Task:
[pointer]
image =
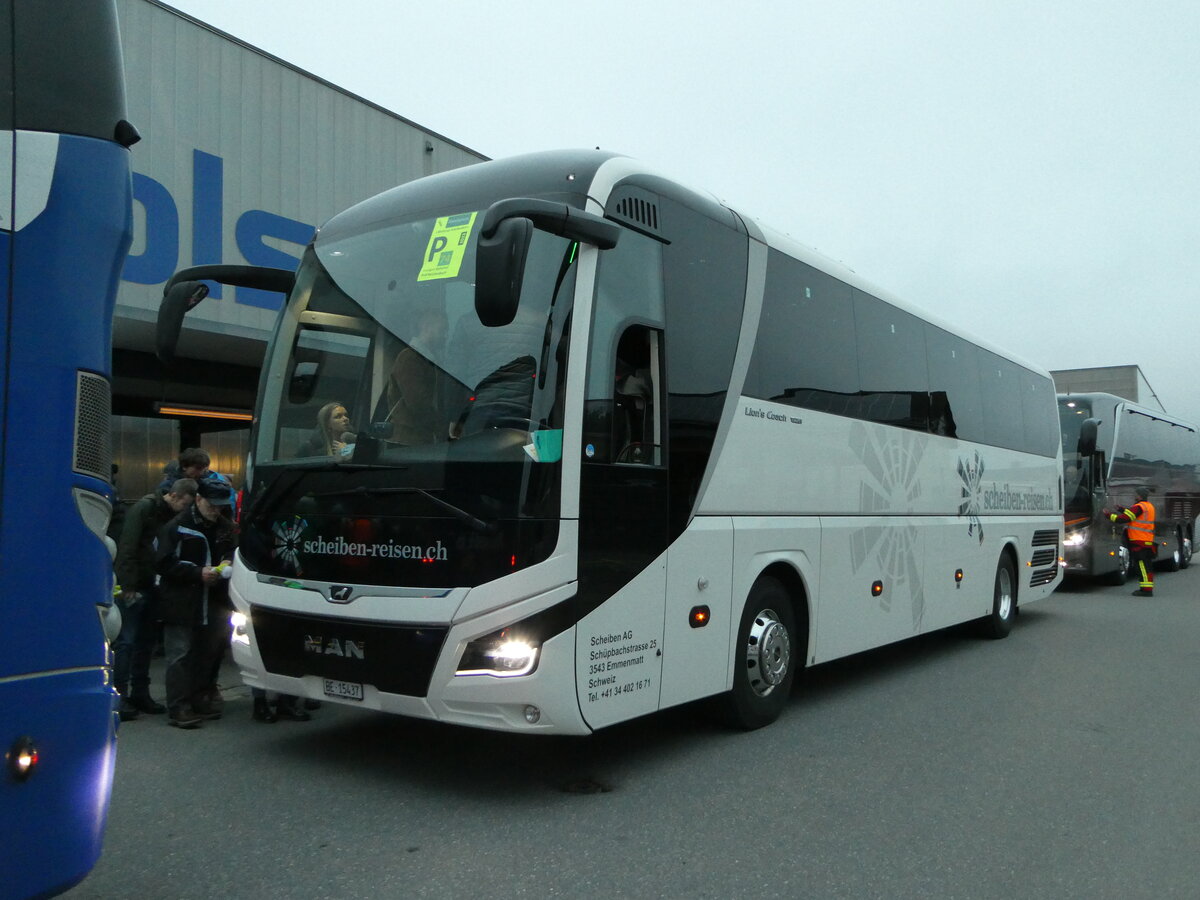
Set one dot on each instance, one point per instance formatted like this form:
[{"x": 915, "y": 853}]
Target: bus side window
[{"x": 637, "y": 391}]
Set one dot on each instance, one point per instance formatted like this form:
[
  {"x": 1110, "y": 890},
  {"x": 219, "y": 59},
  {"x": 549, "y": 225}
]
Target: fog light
[
  {"x": 239, "y": 621},
  {"x": 532, "y": 714},
  {"x": 23, "y": 757}
]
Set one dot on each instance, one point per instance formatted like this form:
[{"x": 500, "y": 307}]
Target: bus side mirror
[
  {"x": 1087, "y": 437},
  {"x": 180, "y": 298},
  {"x": 184, "y": 290},
  {"x": 500, "y": 270}
]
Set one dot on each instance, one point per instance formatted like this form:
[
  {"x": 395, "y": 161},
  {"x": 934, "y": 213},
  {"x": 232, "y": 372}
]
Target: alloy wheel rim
[
  {"x": 768, "y": 653},
  {"x": 1004, "y": 607}
]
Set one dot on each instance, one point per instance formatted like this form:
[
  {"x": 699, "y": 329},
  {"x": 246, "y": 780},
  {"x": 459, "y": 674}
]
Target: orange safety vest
[{"x": 1141, "y": 529}]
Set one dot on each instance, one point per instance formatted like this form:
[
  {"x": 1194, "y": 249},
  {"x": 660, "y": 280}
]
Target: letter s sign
[{"x": 252, "y": 227}]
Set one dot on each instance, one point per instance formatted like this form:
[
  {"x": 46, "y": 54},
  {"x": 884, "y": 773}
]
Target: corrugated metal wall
[{"x": 282, "y": 141}]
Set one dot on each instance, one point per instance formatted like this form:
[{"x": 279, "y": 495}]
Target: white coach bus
[{"x": 613, "y": 447}]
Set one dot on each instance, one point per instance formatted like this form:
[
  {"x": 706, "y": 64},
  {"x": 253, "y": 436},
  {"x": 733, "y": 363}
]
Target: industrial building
[
  {"x": 1123, "y": 381},
  {"x": 242, "y": 156}
]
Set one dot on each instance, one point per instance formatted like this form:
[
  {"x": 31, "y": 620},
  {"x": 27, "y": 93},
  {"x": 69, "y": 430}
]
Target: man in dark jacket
[
  {"x": 193, "y": 550},
  {"x": 135, "y": 572}
]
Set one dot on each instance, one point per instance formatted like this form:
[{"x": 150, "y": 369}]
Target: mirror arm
[
  {"x": 555, "y": 218},
  {"x": 185, "y": 289},
  {"x": 260, "y": 277}
]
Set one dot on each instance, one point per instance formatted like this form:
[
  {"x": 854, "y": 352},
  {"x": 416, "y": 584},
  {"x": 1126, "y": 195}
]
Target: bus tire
[
  {"x": 999, "y": 622},
  {"x": 1174, "y": 562},
  {"x": 765, "y": 658},
  {"x": 1121, "y": 575}
]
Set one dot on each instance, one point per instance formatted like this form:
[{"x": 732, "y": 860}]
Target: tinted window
[
  {"x": 704, "y": 272},
  {"x": 67, "y": 69},
  {"x": 6, "y": 52},
  {"x": 705, "y": 276},
  {"x": 805, "y": 353},
  {"x": 1040, "y": 413},
  {"x": 1003, "y": 417},
  {"x": 955, "y": 407},
  {"x": 891, "y": 364},
  {"x": 824, "y": 346}
]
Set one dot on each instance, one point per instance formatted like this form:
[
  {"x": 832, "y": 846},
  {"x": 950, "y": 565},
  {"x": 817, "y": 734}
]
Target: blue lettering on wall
[
  {"x": 160, "y": 257},
  {"x": 157, "y": 262},
  {"x": 252, "y": 227},
  {"x": 208, "y": 188}
]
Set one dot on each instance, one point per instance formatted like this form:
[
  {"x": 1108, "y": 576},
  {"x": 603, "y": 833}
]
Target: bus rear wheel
[
  {"x": 1004, "y": 601},
  {"x": 765, "y": 658}
]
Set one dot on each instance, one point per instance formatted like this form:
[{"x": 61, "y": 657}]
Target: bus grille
[
  {"x": 93, "y": 427},
  {"x": 396, "y": 659},
  {"x": 1045, "y": 558}
]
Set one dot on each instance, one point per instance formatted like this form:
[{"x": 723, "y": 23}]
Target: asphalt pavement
[{"x": 1057, "y": 763}]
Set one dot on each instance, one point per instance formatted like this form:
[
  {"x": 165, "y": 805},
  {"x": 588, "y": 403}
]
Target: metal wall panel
[{"x": 231, "y": 135}]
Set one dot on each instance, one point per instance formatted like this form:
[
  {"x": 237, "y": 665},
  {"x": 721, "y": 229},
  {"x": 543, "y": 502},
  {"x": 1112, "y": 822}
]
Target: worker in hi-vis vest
[{"x": 1140, "y": 531}]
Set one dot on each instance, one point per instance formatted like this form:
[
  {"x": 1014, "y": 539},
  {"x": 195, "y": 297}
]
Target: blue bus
[{"x": 65, "y": 228}]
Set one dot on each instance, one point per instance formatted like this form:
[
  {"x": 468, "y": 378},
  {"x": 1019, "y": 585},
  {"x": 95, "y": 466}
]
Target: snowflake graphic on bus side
[
  {"x": 970, "y": 472},
  {"x": 287, "y": 542},
  {"x": 891, "y": 486}
]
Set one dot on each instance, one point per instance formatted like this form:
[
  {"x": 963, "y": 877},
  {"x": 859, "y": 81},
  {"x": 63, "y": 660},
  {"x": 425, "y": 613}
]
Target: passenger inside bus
[
  {"x": 633, "y": 399},
  {"x": 414, "y": 401},
  {"x": 332, "y": 435}
]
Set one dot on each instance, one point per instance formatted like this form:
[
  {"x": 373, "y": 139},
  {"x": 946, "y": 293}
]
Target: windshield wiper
[{"x": 473, "y": 522}]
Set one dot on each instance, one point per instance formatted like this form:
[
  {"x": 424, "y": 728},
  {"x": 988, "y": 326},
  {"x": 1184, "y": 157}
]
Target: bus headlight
[
  {"x": 501, "y": 654},
  {"x": 1076, "y": 538}
]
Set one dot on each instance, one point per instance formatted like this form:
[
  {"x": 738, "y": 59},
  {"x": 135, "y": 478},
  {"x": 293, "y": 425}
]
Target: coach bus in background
[
  {"x": 614, "y": 447},
  {"x": 1111, "y": 447},
  {"x": 65, "y": 226}
]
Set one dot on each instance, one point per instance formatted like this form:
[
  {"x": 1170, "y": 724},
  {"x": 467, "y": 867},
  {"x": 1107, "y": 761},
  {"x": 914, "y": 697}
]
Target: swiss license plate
[{"x": 343, "y": 690}]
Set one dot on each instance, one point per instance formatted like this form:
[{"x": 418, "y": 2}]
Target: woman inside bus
[{"x": 330, "y": 436}]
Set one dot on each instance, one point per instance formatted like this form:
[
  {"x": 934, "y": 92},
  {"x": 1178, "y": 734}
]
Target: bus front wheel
[
  {"x": 1004, "y": 601},
  {"x": 1174, "y": 562},
  {"x": 765, "y": 658},
  {"x": 1121, "y": 574}
]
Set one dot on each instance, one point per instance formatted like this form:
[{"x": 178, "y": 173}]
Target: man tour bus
[
  {"x": 1112, "y": 447},
  {"x": 614, "y": 447}
]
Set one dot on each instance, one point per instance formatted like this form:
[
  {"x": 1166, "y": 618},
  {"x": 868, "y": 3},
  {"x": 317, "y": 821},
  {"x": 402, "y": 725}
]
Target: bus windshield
[{"x": 381, "y": 363}]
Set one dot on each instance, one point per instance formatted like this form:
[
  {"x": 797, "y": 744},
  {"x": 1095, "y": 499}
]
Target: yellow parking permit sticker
[{"x": 447, "y": 246}]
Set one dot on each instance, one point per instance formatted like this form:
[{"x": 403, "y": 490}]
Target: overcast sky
[{"x": 1027, "y": 169}]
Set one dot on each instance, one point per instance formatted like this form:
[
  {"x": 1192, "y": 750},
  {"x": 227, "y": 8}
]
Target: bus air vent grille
[
  {"x": 93, "y": 429},
  {"x": 1044, "y": 561},
  {"x": 636, "y": 208}
]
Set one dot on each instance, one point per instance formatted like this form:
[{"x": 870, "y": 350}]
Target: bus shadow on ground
[{"x": 435, "y": 757}]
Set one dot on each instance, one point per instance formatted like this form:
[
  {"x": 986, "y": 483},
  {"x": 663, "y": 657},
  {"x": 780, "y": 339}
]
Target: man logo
[
  {"x": 341, "y": 593},
  {"x": 331, "y": 646}
]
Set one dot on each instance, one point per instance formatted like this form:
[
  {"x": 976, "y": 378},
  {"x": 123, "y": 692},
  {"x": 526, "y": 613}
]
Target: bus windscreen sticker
[{"x": 447, "y": 246}]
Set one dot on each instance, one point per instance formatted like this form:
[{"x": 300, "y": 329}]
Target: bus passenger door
[{"x": 623, "y": 507}]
